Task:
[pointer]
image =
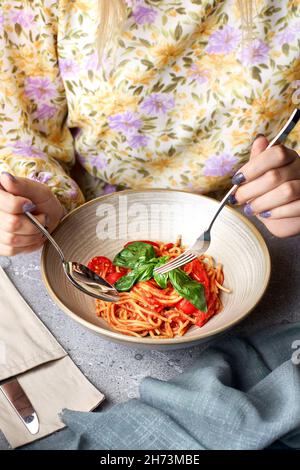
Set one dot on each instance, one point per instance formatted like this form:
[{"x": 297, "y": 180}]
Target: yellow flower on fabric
[
  {"x": 264, "y": 108},
  {"x": 188, "y": 110},
  {"x": 127, "y": 35},
  {"x": 83, "y": 6},
  {"x": 139, "y": 53},
  {"x": 7, "y": 7},
  {"x": 202, "y": 149},
  {"x": 218, "y": 64},
  {"x": 176, "y": 68},
  {"x": 106, "y": 103},
  {"x": 293, "y": 3},
  {"x": 205, "y": 28},
  {"x": 292, "y": 72},
  {"x": 275, "y": 55},
  {"x": 154, "y": 36},
  {"x": 239, "y": 137},
  {"x": 141, "y": 78},
  {"x": 162, "y": 163},
  {"x": 28, "y": 58},
  {"x": 164, "y": 53},
  {"x": 235, "y": 82},
  {"x": 138, "y": 184}
]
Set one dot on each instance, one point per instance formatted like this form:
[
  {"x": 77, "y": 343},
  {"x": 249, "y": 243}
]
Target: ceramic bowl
[{"x": 104, "y": 225}]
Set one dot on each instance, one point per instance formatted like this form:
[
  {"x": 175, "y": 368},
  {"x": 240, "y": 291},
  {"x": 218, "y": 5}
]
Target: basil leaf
[
  {"x": 134, "y": 253},
  {"x": 146, "y": 271},
  {"x": 191, "y": 290},
  {"x": 161, "y": 279},
  {"x": 126, "y": 282},
  {"x": 142, "y": 272}
]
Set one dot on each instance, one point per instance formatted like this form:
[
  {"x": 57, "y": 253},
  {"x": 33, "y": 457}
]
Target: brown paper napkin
[{"x": 45, "y": 371}]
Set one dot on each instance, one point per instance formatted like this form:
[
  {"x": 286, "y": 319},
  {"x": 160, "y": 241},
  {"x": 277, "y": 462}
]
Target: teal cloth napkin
[{"x": 242, "y": 393}]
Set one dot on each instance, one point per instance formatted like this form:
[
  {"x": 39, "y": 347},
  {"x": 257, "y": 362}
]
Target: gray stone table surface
[{"x": 117, "y": 370}]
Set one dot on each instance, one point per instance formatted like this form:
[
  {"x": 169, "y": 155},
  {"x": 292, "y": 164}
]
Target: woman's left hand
[{"x": 270, "y": 187}]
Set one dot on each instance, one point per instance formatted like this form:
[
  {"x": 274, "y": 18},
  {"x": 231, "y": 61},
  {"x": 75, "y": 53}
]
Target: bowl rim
[{"x": 119, "y": 337}]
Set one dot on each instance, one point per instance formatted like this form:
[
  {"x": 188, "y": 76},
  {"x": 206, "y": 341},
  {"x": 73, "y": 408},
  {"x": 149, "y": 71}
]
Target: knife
[{"x": 19, "y": 401}]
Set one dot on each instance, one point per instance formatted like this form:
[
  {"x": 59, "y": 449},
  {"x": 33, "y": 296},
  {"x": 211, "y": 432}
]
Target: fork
[{"x": 202, "y": 243}]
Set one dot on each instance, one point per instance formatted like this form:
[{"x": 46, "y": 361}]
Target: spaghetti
[{"x": 149, "y": 310}]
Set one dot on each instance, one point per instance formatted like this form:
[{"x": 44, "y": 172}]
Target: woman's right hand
[{"x": 19, "y": 195}]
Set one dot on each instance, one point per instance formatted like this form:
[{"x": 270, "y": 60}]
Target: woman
[{"x": 175, "y": 104}]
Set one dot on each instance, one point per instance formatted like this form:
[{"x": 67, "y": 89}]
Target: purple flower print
[
  {"x": 69, "y": 186},
  {"x": 39, "y": 88},
  {"x": 92, "y": 62},
  {"x": 126, "y": 122},
  {"x": 109, "y": 188},
  {"x": 201, "y": 76},
  {"x": 1, "y": 21},
  {"x": 23, "y": 18},
  {"x": 287, "y": 35},
  {"x": 144, "y": 15},
  {"x": 255, "y": 53},
  {"x": 223, "y": 41},
  {"x": 72, "y": 192},
  {"x": 45, "y": 112},
  {"x": 68, "y": 68},
  {"x": 157, "y": 103},
  {"x": 1, "y": 24},
  {"x": 42, "y": 177},
  {"x": 98, "y": 161},
  {"x": 26, "y": 149},
  {"x": 138, "y": 141},
  {"x": 219, "y": 165}
]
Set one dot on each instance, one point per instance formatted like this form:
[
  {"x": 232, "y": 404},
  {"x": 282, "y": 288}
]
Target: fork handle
[
  {"x": 280, "y": 137},
  {"x": 287, "y": 128},
  {"x": 221, "y": 205},
  {"x": 45, "y": 232}
]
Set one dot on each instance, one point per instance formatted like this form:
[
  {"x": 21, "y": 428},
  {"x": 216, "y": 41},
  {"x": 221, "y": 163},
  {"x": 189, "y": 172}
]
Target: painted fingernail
[
  {"x": 265, "y": 214},
  {"x": 9, "y": 176},
  {"x": 238, "y": 178},
  {"x": 258, "y": 136},
  {"x": 29, "y": 207},
  {"x": 248, "y": 210},
  {"x": 232, "y": 199}
]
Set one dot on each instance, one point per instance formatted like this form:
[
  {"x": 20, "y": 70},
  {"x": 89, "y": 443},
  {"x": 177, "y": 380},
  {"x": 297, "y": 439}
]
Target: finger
[
  {"x": 32, "y": 190},
  {"x": 283, "y": 194},
  {"x": 20, "y": 224},
  {"x": 14, "y": 204},
  {"x": 286, "y": 211},
  {"x": 6, "y": 250},
  {"x": 274, "y": 157},
  {"x": 259, "y": 145},
  {"x": 284, "y": 227},
  {"x": 14, "y": 240},
  {"x": 265, "y": 183}
]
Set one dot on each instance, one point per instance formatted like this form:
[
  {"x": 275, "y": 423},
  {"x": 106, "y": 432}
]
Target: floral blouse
[{"x": 175, "y": 105}]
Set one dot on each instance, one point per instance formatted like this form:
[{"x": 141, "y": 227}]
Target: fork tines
[{"x": 182, "y": 259}]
